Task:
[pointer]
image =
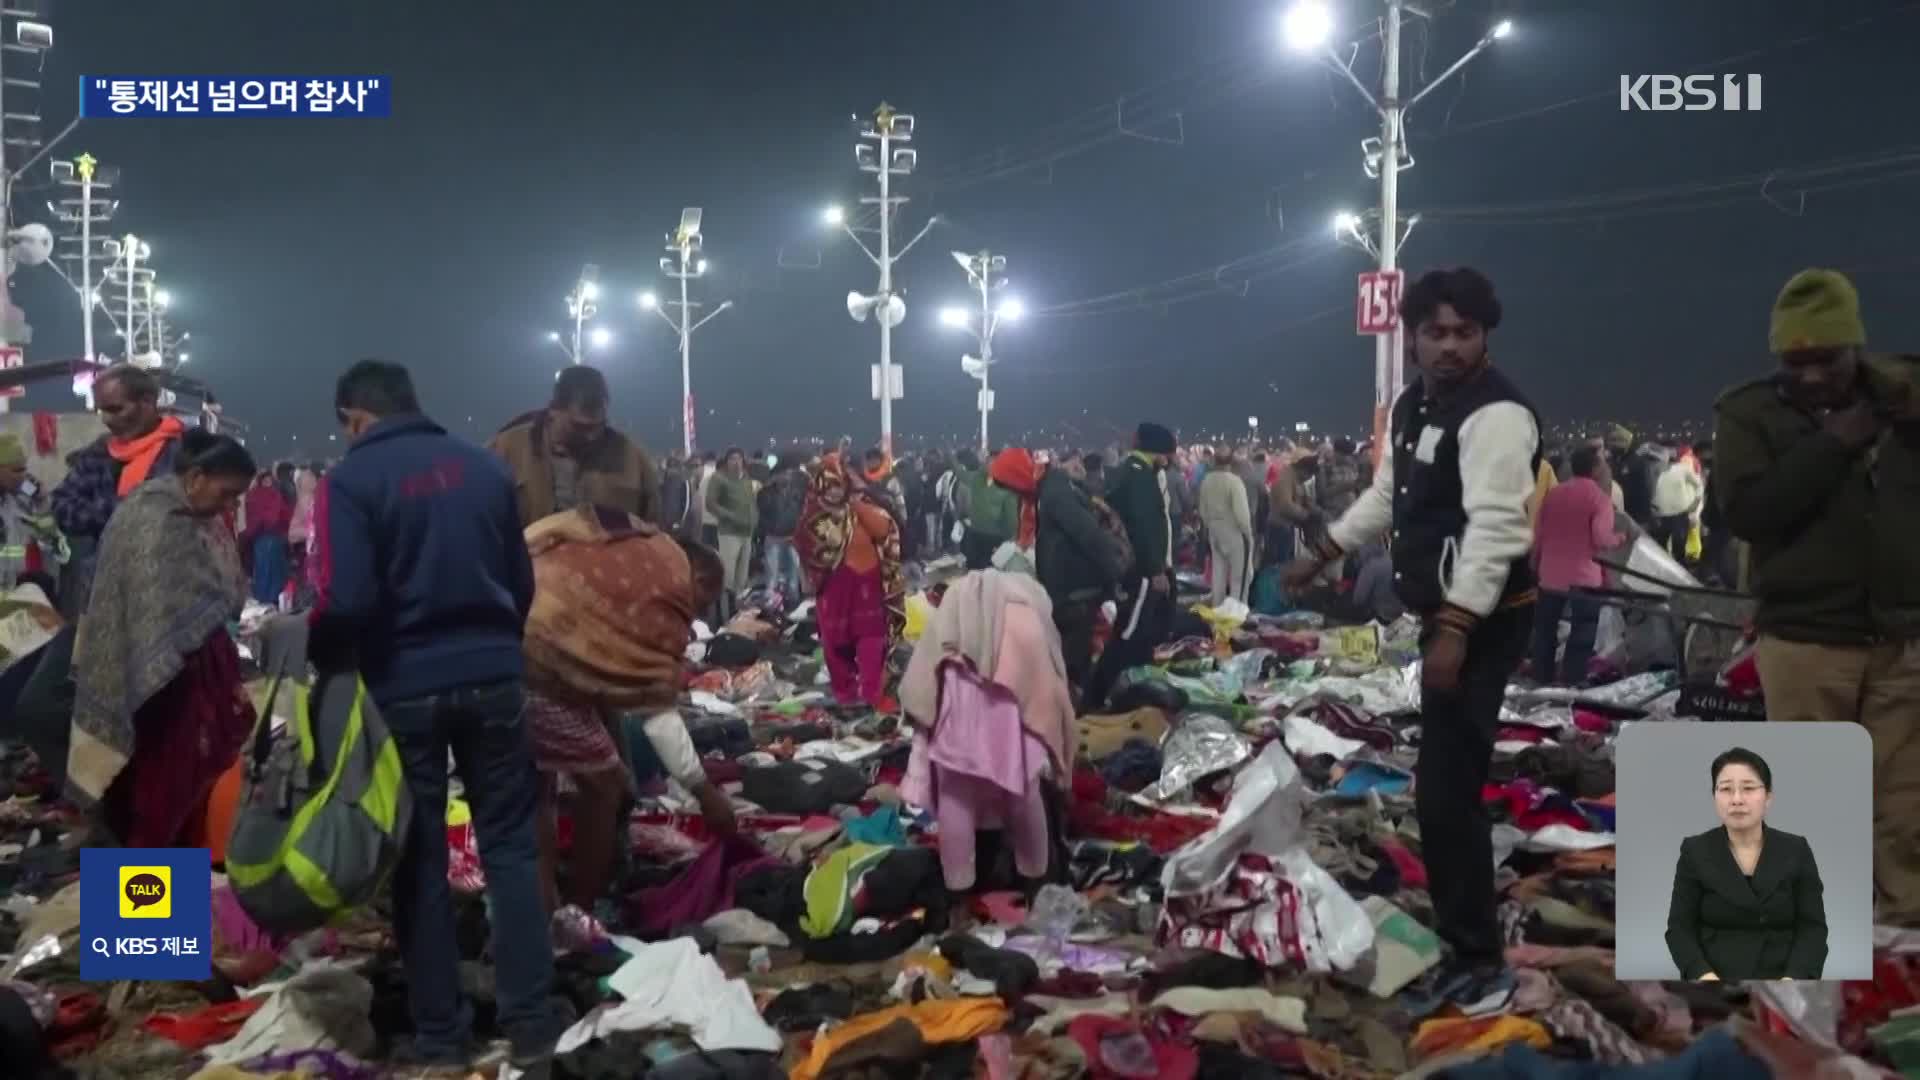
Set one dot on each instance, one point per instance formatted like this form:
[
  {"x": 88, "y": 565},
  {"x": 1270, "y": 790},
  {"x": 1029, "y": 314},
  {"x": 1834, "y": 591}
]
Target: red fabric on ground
[{"x": 199, "y": 1030}]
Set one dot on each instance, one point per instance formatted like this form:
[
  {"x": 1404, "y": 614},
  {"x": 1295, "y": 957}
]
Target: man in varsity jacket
[{"x": 1452, "y": 493}]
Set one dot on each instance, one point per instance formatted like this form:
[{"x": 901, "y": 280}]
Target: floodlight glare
[
  {"x": 1346, "y": 221},
  {"x": 1503, "y": 28},
  {"x": 590, "y": 290},
  {"x": 1307, "y": 25},
  {"x": 648, "y": 301},
  {"x": 601, "y": 337},
  {"x": 834, "y": 215},
  {"x": 953, "y": 317},
  {"x": 1011, "y": 309}
]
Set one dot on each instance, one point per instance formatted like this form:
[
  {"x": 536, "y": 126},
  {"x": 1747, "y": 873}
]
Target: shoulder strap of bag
[{"x": 263, "y": 725}]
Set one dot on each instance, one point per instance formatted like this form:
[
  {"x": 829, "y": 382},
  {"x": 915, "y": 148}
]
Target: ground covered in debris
[{"x": 1239, "y": 893}]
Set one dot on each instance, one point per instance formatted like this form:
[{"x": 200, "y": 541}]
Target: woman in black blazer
[{"x": 1746, "y": 897}]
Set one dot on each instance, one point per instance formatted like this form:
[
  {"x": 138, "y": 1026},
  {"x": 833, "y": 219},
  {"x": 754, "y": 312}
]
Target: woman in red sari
[
  {"x": 160, "y": 711},
  {"x": 849, "y": 546}
]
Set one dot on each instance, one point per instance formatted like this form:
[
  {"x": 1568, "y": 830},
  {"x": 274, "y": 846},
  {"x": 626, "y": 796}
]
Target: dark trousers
[
  {"x": 1456, "y": 753},
  {"x": 485, "y": 729},
  {"x": 1670, "y": 532},
  {"x": 978, "y": 547},
  {"x": 1075, "y": 619},
  {"x": 1583, "y": 625},
  {"x": 1141, "y": 626}
]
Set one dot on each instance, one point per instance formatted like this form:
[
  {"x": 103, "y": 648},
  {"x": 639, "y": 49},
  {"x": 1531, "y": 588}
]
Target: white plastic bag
[{"x": 1264, "y": 817}]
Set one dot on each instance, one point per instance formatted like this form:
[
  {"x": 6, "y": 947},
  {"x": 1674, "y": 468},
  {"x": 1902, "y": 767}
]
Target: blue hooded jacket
[{"x": 420, "y": 565}]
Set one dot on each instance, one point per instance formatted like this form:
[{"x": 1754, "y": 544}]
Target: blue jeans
[
  {"x": 783, "y": 567},
  {"x": 1583, "y": 625},
  {"x": 485, "y": 729}
]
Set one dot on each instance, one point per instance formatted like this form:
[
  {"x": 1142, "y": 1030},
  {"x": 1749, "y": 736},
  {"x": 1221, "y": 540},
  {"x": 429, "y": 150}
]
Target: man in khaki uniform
[
  {"x": 1817, "y": 468},
  {"x": 565, "y": 456}
]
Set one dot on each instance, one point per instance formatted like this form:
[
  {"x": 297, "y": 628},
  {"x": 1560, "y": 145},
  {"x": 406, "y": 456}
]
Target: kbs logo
[
  {"x": 146, "y": 892},
  {"x": 1691, "y": 93}
]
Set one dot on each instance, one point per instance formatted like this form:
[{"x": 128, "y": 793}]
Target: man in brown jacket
[{"x": 565, "y": 455}]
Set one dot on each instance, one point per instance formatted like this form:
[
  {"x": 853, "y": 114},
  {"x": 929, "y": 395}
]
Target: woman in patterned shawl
[
  {"x": 613, "y": 609},
  {"x": 159, "y": 707},
  {"x": 850, "y": 549}
]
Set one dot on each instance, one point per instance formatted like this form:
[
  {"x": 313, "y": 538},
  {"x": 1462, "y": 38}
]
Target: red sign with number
[{"x": 1378, "y": 307}]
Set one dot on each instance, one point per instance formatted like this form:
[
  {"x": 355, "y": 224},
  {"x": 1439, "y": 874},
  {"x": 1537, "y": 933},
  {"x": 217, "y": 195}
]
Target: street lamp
[
  {"x": 683, "y": 262},
  {"x": 582, "y": 305},
  {"x": 986, "y": 273},
  {"x": 834, "y": 216},
  {"x": 883, "y": 151},
  {"x": 1307, "y": 27}
]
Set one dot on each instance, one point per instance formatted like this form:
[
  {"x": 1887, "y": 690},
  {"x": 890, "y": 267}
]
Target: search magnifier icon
[{"x": 99, "y": 945}]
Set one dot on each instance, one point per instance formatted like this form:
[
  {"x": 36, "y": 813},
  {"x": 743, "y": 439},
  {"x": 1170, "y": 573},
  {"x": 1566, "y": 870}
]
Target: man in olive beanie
[
  {"x": 1817, "y": 469},
  {"x": 29, "y": 540}
]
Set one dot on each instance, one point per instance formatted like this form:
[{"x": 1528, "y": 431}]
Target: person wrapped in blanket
[
  {"x": 614, "y": 602},
  {"x": 160, "y": 710},
  {"x": 849, "y": 544}
]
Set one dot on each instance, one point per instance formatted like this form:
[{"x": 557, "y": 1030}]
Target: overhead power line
[{"x": 1780, "y": 188}]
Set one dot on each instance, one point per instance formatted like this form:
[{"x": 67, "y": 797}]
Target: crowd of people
[{"x": 522, "y": 609}]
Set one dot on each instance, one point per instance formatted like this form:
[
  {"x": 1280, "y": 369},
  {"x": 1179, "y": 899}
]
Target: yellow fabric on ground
[{"x": 938, "y": 1021}]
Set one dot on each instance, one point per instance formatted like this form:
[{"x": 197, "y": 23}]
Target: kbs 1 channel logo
[{"x": 1689, "y": 93}]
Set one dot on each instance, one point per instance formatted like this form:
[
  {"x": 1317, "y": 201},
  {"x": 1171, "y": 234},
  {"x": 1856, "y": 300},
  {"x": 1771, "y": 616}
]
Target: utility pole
[
  {"x": 684, "y": 262},
  {"x": 582, "y": 305},
  {"x": 886, "y": 159},
  {"x": 986, "y": 273},
  {"x": 21, "y": 35},
  {"x": 80, "y": 214},
  {"x": 128, "y": 278},
  {"x": 1308, "y": 27}
]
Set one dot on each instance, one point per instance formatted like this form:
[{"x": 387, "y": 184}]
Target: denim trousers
[
  {"x": 783, "y": 568},
  {"x": 485, "y": 729}
]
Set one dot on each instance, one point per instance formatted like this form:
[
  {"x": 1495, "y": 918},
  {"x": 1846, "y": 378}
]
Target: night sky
[{"x": 1105, "y": 146}]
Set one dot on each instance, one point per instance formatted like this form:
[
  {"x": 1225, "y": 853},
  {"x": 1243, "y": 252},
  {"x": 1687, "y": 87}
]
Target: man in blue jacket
[{"x": 422, "y": 581}]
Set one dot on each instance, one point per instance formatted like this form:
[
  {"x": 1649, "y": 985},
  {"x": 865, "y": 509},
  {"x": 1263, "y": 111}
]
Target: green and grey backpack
[{"x": 324, "y": 807}]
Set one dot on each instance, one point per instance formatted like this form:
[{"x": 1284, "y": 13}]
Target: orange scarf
[{"x": 136, "y": 456}]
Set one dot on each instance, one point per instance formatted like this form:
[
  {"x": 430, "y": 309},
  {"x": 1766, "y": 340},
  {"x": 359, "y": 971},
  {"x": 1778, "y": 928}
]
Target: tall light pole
[
  {"x": 129, "y": 280},
  {"x": 20, "y": 33},
  {"x": 986, "y": 273},
  {"x": 1308, "y": 26},
  {"x": 80, "y": 213},
  {"x": 684, "y": 262},
  {"x": 887, "y": 128},
  {"x": 582, "y": 304}
]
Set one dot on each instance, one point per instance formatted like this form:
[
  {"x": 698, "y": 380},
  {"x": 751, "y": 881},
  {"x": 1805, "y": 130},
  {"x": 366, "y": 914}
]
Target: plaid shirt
[{"x": 86, "y": 498}]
